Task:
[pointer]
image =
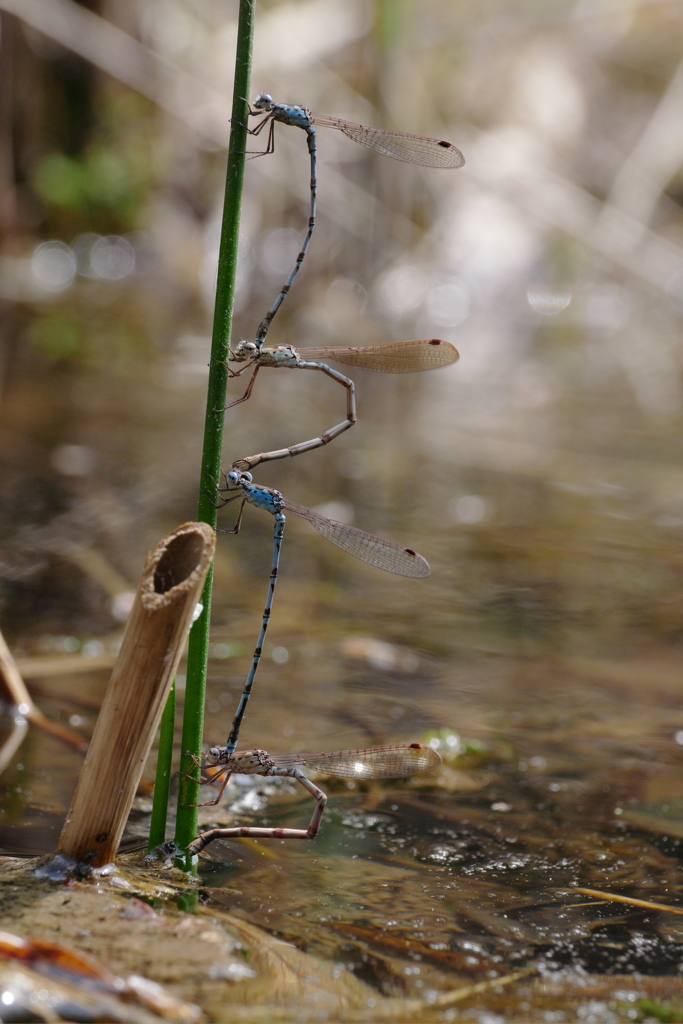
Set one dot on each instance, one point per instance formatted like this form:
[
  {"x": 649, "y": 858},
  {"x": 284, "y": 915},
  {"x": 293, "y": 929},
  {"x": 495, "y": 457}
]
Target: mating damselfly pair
[{"x": 392, "y": 761}]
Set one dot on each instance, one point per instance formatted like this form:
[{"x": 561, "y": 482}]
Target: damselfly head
[
  {"x": 213, "y": 756},
  {"x": 245, "y": 350},
  {"x": 264, "y": 101},
  {"x": 237, "y": 477}
]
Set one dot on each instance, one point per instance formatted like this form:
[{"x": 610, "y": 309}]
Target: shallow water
[
  {"x": 544, "y": 653},
  {"x": 541, "y": 477}
]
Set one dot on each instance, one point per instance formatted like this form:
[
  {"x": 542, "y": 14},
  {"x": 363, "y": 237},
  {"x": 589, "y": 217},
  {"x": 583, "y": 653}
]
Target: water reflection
[{"x": 53, "y": 266}]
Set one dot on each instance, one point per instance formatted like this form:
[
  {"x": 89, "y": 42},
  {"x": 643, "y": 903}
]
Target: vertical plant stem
[
  {"x": 162, "y": 784},
  {"x": 193, "y": 720}
]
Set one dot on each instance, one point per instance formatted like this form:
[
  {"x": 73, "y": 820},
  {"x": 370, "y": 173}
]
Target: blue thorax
[
  {"x": 298, "y": 116},
  {"x": 263, "y": 497}
]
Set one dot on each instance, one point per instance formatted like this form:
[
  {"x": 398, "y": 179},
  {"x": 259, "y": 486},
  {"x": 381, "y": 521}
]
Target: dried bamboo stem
[
  {"x": 153, "y": 642},
  {"x": 12, "y": 682}
]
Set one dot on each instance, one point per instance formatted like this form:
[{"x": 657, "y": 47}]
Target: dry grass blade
[
  {"x": 466, "y": 991},
  {"x": 630, "y": 900},
  {"x": 12, "y": 682}
]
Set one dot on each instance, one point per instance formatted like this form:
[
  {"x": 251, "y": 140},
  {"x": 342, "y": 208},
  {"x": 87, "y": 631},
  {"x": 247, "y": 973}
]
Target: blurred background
[{"x": 541, "y": 476}]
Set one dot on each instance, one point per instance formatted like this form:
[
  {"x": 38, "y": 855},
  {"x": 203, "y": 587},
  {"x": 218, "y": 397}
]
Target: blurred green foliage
[
  {"x": 106, "y": 185},
  {"x": 58, "y": 336}
]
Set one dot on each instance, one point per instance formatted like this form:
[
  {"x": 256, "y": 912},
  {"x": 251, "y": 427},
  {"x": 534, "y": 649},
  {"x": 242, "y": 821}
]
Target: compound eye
[{"x": 215, "y": 753}]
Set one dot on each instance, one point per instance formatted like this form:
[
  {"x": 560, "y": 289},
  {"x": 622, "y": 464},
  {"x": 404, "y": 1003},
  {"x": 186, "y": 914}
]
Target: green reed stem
[{"x": 193, "y": 719}]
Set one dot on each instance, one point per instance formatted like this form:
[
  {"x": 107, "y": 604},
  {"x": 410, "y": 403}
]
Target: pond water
[
  {"x": 543, "y": 655},
  {"x": 541, "y": 477}
]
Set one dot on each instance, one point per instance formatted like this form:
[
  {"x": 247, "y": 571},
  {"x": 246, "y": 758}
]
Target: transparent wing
[
  {"x": 411, "y": 149},
  {"x": 396, "y": 357},
  {"x": 397, "y": 761},
  {"x": 383, "y": 554}
]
